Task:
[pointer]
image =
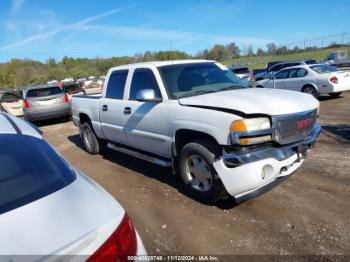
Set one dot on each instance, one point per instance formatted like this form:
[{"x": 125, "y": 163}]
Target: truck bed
[{"x": 88, "y": 105}]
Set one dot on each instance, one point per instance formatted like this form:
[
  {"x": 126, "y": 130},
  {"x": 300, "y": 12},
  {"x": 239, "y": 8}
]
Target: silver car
[
  {"x": 49, "y": 210},
  {"x": 242, "y": 72},
  {"x": 12, "y": 102},
  {"x": 45, "y": 102}
]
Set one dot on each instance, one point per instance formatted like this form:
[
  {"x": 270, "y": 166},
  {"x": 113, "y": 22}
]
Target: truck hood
[{"x": 255, "y": 101}]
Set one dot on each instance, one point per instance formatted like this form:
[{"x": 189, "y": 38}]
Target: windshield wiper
[
  {"x": 230, "y": 87},
  {"x": 199, "y": 92}
]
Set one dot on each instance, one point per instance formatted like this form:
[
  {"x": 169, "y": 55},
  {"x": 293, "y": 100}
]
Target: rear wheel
[
  {"x": 92, "y": 143},
  {"x": 335, "y": 95},
  {"x": 310, "y": 90},
  {"x": 198, "y": 173},
  {"x": 259, "y": 86}
]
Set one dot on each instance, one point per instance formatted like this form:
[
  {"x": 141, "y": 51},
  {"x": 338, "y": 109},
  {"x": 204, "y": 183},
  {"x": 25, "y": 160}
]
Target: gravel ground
[{"x": 307, "y": 214}]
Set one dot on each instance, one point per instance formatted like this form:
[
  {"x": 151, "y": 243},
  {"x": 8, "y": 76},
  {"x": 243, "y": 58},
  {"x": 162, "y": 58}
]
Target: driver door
[
  {"x": 280, "y": 79},
  {"x": 296, "y": 79}
]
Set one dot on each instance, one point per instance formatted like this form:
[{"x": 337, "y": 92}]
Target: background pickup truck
[
  {"x": 338, "y": 59},
  {"x": 195, "y": 116}
]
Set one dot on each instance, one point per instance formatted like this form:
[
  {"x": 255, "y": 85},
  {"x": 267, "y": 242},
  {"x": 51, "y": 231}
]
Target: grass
[{"x": 261, "y": 61}]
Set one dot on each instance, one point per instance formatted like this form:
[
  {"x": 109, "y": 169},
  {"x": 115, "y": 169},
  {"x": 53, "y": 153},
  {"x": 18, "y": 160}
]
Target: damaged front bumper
[{"x": 247, "y": 175}]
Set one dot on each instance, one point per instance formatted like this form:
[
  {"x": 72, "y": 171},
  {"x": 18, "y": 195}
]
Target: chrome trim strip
[
  {"x": 235, "y": 136},
  {"x": 145, "y": 157},
  {"x": 256, "y": 132}
]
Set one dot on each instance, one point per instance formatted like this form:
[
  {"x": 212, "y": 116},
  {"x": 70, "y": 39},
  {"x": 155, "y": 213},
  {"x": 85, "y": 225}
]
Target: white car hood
[
  {"x": 255, "y": 101},
  {"x": 65, "y": 222}
]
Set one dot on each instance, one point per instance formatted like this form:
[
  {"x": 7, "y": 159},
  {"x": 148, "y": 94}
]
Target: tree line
[{"x": 19, "y": 73}]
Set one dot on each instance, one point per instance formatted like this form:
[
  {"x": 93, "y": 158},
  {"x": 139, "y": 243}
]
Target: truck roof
[{"x": 163, "y": 63}]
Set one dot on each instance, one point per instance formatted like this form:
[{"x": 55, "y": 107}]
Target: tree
[
  {"x": 51, "y": 61},
  {"x": 333, "y": 44},
  {"x": 282, "y": 50},
  {"x": 203, "y": 54},
  {"x": 233, "y": 51},
  {"x": 250, "y": 51},
  {"x": 271, "y": 48},
  {"x": 260, "y": 52},
  {"x": 138, "y": 57},
  {"x": 296, "y": 49},
  {"x": 218, "y": 53},
  {"x": 148, "y": 56}
]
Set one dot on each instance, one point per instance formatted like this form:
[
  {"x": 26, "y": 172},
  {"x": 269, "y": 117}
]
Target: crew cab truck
[{"x": 196, "y": 117}]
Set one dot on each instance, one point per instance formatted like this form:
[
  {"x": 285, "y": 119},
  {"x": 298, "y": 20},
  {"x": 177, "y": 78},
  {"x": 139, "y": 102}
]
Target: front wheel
[{"x": 197, "y": 171}]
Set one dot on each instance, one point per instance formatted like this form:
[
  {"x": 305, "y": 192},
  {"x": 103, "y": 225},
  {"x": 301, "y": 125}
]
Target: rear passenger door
[
  {"x": 112, "y": 107},
  {"x": 146, "y": 122}
]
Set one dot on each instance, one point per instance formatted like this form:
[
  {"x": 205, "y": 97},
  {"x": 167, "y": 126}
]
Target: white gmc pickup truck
[{"x": 196, "y": 117}]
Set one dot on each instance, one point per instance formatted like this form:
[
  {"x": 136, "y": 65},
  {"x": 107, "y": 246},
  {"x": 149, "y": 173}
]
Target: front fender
[{"x": 217, "y": 133}]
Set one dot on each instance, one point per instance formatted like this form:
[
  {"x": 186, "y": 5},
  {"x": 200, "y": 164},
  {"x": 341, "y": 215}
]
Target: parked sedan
[
  {"x": 72, "y": 88},
  {"x": 242, "y": 72},
  {"x": 313, "y": 79},
  {"x": 45, "y": 102},
  {"x": 274, "y": 67},
  {"x": 49, "y": 208},
  {"x": 12, "y": 102},
  {"x": 92, "y": 88}
]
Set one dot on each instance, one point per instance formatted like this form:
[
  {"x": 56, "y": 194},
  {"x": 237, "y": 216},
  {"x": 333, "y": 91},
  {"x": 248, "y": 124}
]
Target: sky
[{"x": 41, "y": 29}]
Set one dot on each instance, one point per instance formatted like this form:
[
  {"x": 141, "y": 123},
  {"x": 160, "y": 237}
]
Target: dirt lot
[{"x": 307, "y": 214}]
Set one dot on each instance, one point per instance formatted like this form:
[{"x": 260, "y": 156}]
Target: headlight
[{"x": 251, "y": 131}]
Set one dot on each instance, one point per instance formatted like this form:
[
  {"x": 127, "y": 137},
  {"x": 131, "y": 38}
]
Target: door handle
[
  {"x": 104, "y": 108},
  {"x": 127, "y": 110}
]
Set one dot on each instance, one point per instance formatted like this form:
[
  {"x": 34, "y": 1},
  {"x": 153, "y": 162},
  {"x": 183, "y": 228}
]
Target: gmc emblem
[{"x": 304, "y": 123}]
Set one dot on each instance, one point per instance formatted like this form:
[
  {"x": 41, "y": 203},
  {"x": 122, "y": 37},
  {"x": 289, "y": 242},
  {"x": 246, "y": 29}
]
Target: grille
[{"x": 295, "y": 127}]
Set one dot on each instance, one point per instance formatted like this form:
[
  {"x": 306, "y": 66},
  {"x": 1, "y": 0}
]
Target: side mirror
[{"x": 147, "y": 95}]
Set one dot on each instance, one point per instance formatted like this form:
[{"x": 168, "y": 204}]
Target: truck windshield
[
  {"x": 29, "y": 170},
  {"x": 323, "y": 69},
  {"x": 183, "y": 80}
]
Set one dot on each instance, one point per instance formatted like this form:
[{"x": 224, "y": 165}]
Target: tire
[
  {"x": 310, "y": 90},
  {"x": 335, "y": 95},
  {"x": 259, "y": 86},
  {"x": 197, "y": 172},
  {"x": 92, "y": 143}
]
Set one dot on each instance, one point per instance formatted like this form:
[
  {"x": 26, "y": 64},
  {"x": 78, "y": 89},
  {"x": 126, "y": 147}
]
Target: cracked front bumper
[{"x": 250, "y": 174}]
